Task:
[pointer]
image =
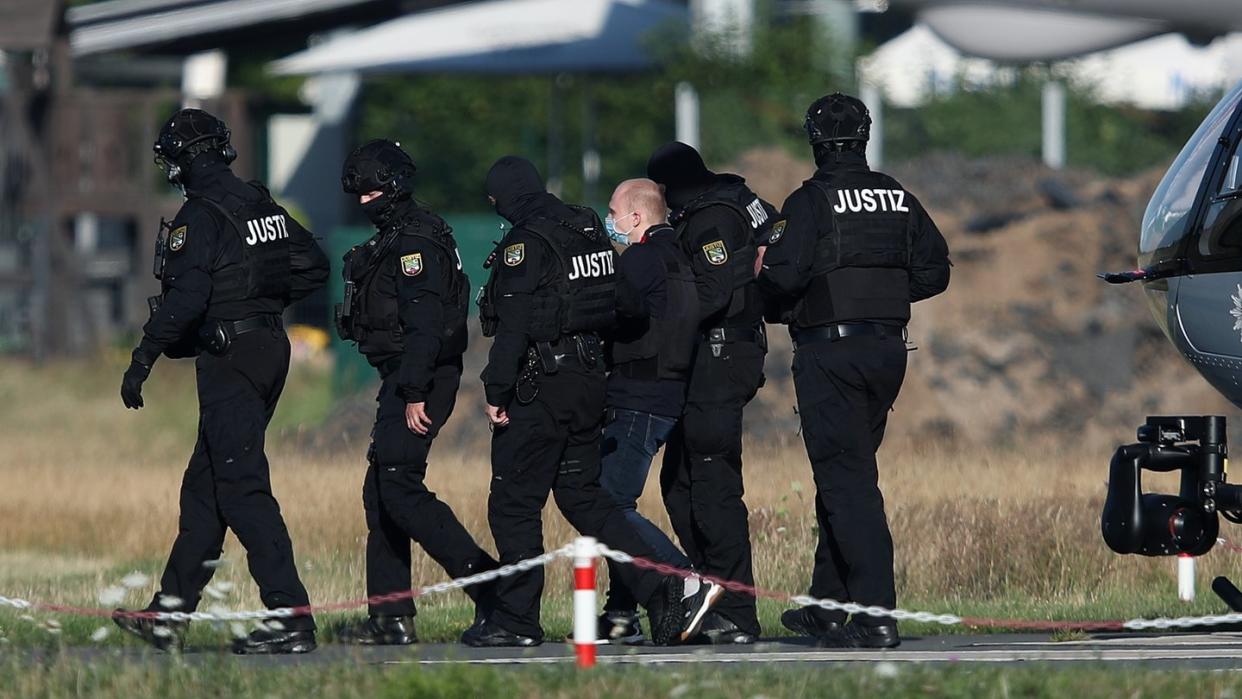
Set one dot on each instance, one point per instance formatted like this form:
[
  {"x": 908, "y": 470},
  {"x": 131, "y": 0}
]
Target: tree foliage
[{"x": 456, "y": 126}]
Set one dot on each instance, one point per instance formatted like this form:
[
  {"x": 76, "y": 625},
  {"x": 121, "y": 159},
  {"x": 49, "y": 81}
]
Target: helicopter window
[
  {"x": 1233, "y": 176},
  {"x": 1221, "y": 238},
  {"x": 1168, "y": 218}
]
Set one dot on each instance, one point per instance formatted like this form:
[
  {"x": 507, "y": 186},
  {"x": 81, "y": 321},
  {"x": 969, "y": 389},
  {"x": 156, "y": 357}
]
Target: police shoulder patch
[
  {"x": 716, "y": 253},
  {"x": 514, "y": 254},
  {"x": 778, "y": 231},
  {"x": 412, "y": 265},
  {"x": 176, "y": 238}
]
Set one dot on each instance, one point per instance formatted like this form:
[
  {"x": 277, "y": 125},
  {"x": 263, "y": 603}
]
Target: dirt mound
[{"x": 1027, "y": 341}]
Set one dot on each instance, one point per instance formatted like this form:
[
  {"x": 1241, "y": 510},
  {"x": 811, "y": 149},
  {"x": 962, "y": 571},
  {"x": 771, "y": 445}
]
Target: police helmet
[
  {"x": 379, "y": 166},
  {"x": 838, "y": 119},
  {"x": 188, "y": 134}
]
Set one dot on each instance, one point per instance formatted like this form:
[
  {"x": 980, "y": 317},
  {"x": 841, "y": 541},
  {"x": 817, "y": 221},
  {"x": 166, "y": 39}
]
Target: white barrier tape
[
  {"x": 264, "y": 614},
  {"x": 1138, "y": 624}
]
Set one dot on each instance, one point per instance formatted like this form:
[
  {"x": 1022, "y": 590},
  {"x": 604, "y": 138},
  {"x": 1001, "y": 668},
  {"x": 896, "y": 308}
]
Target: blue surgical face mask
[{"x": 617, "y": 236}]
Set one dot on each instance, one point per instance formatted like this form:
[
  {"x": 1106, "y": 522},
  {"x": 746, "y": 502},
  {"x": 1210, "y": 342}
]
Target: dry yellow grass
[{"x": 88, "y": 492}]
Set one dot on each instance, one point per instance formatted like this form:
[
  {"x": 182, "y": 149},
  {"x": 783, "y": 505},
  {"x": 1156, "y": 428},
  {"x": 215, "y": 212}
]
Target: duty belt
[
  {"x": 738, "y": 334},
  {"x": 579, "y": 349},
  {"x": 241, "y": 327},
  {"x": 216, "y": 336},
  {"x": 832, "y": 333}
]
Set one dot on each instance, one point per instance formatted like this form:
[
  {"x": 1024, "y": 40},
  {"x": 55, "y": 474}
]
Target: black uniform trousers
[
  {"x": 845, "y": 391},
  {"x": 701, "y": 477},
  {"x": 400, "y": 508},
  {"x": 227, "y": 484},
  {"x": 552, "y": 444}
]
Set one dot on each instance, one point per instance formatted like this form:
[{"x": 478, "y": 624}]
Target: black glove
[{"x": 131, "y": 384}]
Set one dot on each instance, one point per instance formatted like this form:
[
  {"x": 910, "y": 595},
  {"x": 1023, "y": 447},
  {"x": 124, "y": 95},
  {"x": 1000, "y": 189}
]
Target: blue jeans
[{"x": 630, "y": 442}]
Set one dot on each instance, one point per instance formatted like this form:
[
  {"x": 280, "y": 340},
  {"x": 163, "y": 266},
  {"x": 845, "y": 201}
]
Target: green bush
[{"x": 1005, "y": 119}]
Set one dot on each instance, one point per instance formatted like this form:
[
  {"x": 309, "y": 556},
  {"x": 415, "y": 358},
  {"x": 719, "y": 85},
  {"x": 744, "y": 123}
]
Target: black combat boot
[
  {"x": 856, "y": 635},
  {"x": 620, "y": 627},
  {"x": 809, "y": 621},
  {"x": 490, "y": 635},
  {"x": 380, "y": 630},
  {"x": 718, "y": 630},
  {"x": 676, "y": 616},
  {"x": 273, "y": 642},
  {"x": 161, "y": 635}
]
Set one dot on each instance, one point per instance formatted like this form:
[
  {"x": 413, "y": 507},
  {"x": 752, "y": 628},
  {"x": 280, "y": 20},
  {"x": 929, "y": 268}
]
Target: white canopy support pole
[
  {"x": 202, "y": 77},
  {"x": 874, "y": 99},
  {"x": 1186, "y": 577},
  {"x": 687, "y": 109},
  {"x": 1054, "y": 124}
]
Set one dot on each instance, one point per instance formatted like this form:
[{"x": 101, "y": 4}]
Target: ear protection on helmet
[{"x": 186, "y": 135}]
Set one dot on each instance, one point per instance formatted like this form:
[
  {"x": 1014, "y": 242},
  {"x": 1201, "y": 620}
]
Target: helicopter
[
  {"x": 1190, "y": 270},
  {"x": 1041, "y": 30}
]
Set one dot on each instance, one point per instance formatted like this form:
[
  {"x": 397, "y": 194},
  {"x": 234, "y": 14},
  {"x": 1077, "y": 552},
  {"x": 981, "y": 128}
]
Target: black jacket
[
  {"x": 207, "y": 243},
  {"x": 808, "y": 216}
]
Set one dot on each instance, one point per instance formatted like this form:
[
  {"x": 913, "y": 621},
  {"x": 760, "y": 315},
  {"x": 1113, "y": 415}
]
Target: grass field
[
  {"x": 226, "y": 678},
  {"x": 88, "y": 495}
]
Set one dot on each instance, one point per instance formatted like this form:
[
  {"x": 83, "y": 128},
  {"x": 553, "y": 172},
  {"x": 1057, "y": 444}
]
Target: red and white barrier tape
[
  {"x": 929, "y": 617},
  {"x": 585, "y": 552},
  {"x": 263, "y": 614}
]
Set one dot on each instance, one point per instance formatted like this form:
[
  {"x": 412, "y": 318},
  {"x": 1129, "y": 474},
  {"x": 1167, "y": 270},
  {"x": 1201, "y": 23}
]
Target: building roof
[
  {"x": 126, "y": 24},
  {"x": 501, "y": 36}
]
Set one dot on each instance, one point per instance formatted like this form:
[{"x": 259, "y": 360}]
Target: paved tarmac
[{"x": 1219, "y": 651}]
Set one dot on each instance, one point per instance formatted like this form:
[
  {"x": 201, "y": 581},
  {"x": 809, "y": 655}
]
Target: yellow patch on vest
[
  {"x": 514, "y": 254},
  {"x": 778, "y": 231},
  {"x": 176, "y": 239},
  {"x": 716, "y": 253},
  {"x": 412, "y": 265}
]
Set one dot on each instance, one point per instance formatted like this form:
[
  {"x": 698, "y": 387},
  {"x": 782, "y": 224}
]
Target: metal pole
[
  {"x": 1054, "y": 124},
  {"x": 586, "y": 552},
  {"x": 1186, "y": 577},
  {"x": 590, "y": 153},
  {"x": 874, "y": 99},
  {"x": 687, "y": 108}
]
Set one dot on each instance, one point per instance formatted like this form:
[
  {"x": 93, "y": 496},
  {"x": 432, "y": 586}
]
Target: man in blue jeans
[{"x": 650, "y": 357}]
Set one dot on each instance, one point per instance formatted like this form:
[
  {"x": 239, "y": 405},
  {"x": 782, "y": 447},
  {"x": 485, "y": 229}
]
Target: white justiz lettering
[
  {"x": 870, "y": 200},
  {"x": 758, "y": 214},
  {"x": 266, "y": 229},
  {"x": 596, "y": 264}
]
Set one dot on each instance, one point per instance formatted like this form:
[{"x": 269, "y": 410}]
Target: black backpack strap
[{"x": 229, "y": 215}]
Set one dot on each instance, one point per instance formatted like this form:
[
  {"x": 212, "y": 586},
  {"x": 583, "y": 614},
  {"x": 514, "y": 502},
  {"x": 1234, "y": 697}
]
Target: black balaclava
[
  {"x": 519, "y": 191},
  {"x": 193, "y": 145},
  {"x": 680, "y": 169},
  {"x": 380, "y": 166},
  {"x": 204, "y": 173}
]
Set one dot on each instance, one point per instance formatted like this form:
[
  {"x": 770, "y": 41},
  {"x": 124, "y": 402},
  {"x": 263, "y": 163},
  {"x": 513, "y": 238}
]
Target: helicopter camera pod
[{"x": 1156, "y": 524}]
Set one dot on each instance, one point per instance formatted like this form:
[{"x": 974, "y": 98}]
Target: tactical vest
[
  {"x": 667, "y": 343},
  {"x": 374, "y": 318},
  {"x": 861, "y": 270},
  {"x": 263, "y": 228},
  {"x": 583, "y": 297},
  {"x": 758, "y": 217}
]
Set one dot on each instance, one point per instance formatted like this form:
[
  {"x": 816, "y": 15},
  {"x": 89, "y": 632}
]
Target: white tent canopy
[
  {"x": 510, "y": 36},
  {"x": 1162, "y": 72}
]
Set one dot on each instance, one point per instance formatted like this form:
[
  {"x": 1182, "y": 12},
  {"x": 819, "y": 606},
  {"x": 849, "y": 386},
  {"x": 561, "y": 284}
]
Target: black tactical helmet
[
  {"x": 378, "y": 166},
  {"x": 838, "y": 119},
  {"x": 186, "y": 135}
]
